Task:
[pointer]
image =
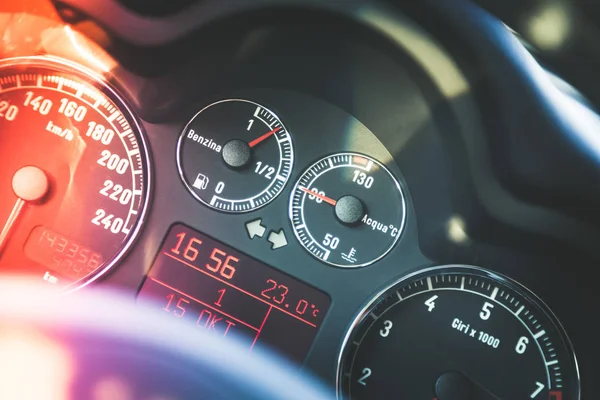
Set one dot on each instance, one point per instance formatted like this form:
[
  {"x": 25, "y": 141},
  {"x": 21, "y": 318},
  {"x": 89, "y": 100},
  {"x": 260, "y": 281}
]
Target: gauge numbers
[
  {"x": 347, "y": 210},
  {"x": 75, "y": 172},
  {"x": 235, "y": 156},
  {"x": 457, "y": 332}
]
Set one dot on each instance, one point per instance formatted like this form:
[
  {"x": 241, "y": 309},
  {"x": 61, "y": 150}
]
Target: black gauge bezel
[{"x": 359, "y": 327}]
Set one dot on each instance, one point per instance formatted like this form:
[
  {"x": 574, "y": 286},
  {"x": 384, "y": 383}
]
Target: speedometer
[{"x": 74, "y": 176}]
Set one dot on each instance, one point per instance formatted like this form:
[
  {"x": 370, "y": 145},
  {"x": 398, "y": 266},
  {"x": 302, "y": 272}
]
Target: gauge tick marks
[{"x": 242, "y": 168}]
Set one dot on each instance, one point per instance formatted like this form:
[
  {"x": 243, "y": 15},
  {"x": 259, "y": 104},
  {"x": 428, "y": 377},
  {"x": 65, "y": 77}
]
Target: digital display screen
[
  {"x": 61, "y": 254},
  {"x": 228, "y": 293}
]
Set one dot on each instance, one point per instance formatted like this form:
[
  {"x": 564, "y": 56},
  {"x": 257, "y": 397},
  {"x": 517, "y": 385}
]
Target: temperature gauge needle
[
  {"x": 29, "y": 184},
  {"x": 326, "y": 199},
  {"x": 348, "y": 209},
  {"x": 263, "y": 137}
]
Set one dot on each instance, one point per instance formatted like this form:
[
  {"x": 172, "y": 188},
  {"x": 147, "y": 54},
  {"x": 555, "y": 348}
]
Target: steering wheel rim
[{"x": 82, "y": 344}]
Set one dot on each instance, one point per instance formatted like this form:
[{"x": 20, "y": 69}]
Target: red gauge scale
[
  {"x": 235, "y": 156},
  {"x": 75, "y": 174},
  {"x": 348, "y": 210}
]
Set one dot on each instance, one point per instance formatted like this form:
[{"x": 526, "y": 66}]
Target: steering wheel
[{"x": 98, "y": 345}]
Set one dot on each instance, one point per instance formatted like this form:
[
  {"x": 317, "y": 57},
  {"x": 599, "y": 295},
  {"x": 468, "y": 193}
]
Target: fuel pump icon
[{"x": 201, "y": 182}]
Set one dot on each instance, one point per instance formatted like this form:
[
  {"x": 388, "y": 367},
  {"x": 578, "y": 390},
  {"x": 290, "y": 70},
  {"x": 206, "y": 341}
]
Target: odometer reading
[
  {"x": 61, "y": 254},
  {"x": 458, "y": 333},
  {"x": 74, "y": 176},
  {"x": 230, "y": 294},
  {"x": 235, "y": 156}
]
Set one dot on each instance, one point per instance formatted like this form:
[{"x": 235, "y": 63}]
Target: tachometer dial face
[
  {"x": 235, "y": 156},
  {"x": 74, "y": 175},
  {"x": 347, "y": 210},
  {"x": 457, "y": 332}
]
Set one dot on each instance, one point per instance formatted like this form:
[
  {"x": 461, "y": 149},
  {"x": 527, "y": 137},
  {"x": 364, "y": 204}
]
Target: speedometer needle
[
  {"x": 14, "y": 214},
  {"x": 319, "y": 196},
  {"x": 263, "y": 137},
  {"x": 29, "y": 184}
]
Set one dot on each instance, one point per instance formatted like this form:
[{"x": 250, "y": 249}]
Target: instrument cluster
[{"x": 329, "y": 216}]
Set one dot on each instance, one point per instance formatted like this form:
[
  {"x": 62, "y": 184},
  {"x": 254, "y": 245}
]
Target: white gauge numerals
[
  {"x": 37, "y": 103},
  {"x": 235, "y": 156},
  {"x": 538, "y": 390},
  {"x": 99, "y": 132},
  {"x": 430, "y": 303},
  {"x": 347, "y": 210},
  {"x": 360, "y": 178},
  {"x": 483, "y": 325},
  {"x": 521, "y": 346},
  {"x": 387, "y": 327},
  {"x": 486, "y": 311},
  {"x": 113, "y": 162},
  {"x": 331, "y": 241},
  {"x": 366, "y": 372},
  {"x": 264, "y": 170}
]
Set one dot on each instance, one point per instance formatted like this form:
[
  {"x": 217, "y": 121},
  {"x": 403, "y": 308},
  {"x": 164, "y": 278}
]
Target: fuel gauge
[
  {"x": 235, "y": 156},
  {"x": 347, "y": 210}
]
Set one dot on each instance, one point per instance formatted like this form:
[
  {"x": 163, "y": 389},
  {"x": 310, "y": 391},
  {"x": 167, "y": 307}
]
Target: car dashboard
[{"x": 394, "y": 197}]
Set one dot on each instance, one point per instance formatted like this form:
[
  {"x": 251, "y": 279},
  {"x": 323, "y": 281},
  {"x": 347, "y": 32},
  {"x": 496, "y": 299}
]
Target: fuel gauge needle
[
  {"x": 263, "y": 137},
  {"x": 29, "y": 184}
]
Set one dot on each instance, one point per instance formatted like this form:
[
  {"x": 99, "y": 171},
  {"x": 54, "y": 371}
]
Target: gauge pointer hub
[
  {"x": 237, "y": 153},
  {"x": 453, "y": 386},
  {"x": 349, "y": 209},
  {"x": 29, "y": 184},
  {"x": 456, "y": 386}
]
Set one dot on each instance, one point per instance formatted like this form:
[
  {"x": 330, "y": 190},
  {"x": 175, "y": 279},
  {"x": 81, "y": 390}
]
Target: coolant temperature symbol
[
  {"x": 350, "y": 256},
  {"x": 348, "y": 210}
]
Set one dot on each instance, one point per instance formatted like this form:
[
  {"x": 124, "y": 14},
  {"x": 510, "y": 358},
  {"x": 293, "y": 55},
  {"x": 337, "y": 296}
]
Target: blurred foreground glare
[{"x": 33, "y": 366}]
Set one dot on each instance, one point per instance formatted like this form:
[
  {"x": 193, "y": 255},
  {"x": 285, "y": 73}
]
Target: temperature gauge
[
  {"x": 348, "y": 210},
  {"x": 235, "y": 156}
]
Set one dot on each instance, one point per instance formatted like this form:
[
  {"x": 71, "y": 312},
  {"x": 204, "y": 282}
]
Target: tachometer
[
  {"x": 74, "y": 175},
  {"x": 457, "y": 332}
]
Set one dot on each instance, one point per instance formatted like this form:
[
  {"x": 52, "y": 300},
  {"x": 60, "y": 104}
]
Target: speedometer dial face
[
  {"x": 457, "y": 332},
  {"x": 235, "y": 156},
  {"x": 74, "y": 176},
  {"x": 347, "y": 210}
]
